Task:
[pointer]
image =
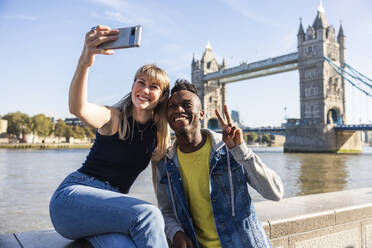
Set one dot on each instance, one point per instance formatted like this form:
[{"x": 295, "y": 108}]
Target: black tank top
[{"x": 120, "y": 161}]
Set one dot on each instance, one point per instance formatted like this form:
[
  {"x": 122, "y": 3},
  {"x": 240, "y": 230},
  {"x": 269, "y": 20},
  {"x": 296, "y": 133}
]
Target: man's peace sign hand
[{"x": 231, "y": 135}]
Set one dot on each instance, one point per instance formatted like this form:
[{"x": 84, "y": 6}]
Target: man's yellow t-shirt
[{"x": 194, "y": 168}]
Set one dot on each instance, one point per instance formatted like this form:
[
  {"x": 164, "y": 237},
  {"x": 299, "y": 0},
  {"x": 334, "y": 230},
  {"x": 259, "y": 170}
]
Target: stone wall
[
  {"x": 329, "y": 220},
  {"x": 277, "y": 140},
  {"x": 312, "y": 138},
  {"x": 348, "y": 141},
  {"x": 321, "y": 138},
  {"x": 339, "y": 219}
]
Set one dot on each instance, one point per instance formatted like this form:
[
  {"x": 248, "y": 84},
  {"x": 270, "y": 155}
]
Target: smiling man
[{"x": 202, "y": 182}]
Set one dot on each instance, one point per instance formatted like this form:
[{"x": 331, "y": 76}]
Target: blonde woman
[{"x": 91, "y": 202}]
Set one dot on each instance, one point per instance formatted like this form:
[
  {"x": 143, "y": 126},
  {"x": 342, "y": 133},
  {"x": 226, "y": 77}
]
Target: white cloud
[
  {"x": 123, "y": 12},
  {"x": 117, "y": 16},
  {"x": 242, "y": 8},
  {"x": 130, "y": 13}
]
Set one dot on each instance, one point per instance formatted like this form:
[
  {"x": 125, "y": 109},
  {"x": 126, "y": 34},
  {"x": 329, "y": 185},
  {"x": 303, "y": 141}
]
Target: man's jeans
[{"x": 85, "y": 207}]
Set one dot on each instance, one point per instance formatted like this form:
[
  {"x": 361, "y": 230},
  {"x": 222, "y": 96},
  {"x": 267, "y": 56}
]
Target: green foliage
[
  {"x": 43, "y": 125},
  {"x": 68, "y": 133},
  {"x": 250, "y": 137},
  {"x": 89, "y": 132},
  {"x": 78, "y": 132},
  {"x": 266, "y": 138},
  {"x": 59, "y": 129},
  {"x": 18, "y": 123}
]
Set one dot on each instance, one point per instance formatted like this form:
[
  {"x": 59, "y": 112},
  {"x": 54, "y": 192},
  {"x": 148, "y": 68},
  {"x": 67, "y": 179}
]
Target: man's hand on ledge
[{"x": 180, "y": 240}]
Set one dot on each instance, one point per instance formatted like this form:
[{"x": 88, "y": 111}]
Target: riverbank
[{"x": 43, "y": 146}]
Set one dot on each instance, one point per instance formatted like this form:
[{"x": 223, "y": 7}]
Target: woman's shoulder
[{"x": 112, "y": 126}]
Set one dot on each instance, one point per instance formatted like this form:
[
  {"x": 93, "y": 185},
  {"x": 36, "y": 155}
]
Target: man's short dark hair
[{"x": 183, "y": 84}]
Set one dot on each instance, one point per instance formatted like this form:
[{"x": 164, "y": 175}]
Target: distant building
[
  {"x": 235, "y": 116},
  {"x": 74, "y": 122},
  {"x": 293, "y": 122},
  {"x": 3, "y": 135},
  {"x": 3, "y": 126}
]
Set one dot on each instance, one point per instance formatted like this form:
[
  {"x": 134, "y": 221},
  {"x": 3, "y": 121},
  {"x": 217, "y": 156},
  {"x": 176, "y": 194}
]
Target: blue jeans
[{"x": 85, "y": 207}]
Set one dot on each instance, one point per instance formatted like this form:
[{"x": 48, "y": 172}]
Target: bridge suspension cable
[
  {"x": 343, "y": 73},
  {"x": 358, "y": 73},
  {"x": 360, "y": 83}
]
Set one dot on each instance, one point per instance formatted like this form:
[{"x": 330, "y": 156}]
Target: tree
[
  {"x": 78, "y": 132},
  {"x": 250, "y": 137},
  {"x": 68, "y": 133},
  {"x": 266, "y": 138},
  {"x": 18, "y": 123},
  {"x": 89, "y": 132},
  {"x": 43, "y": 125},
  {"x": 59, "y": 128}
]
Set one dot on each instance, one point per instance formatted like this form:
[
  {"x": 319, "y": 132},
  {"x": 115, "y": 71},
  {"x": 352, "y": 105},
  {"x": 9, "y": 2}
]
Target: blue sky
[{"x": 41, "y": 42}]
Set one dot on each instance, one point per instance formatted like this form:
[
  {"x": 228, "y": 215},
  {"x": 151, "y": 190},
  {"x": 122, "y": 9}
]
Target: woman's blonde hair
[{"x": 158, "y": 76}]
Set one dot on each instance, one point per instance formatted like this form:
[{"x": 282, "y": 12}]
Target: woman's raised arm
[{"x": 92, "y": 114}]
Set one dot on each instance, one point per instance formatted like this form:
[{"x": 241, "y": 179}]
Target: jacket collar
[{"x": 216, "y": 139}]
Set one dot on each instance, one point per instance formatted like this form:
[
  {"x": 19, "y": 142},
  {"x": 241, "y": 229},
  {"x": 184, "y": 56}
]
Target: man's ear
[{"x": 201, "y": 115}]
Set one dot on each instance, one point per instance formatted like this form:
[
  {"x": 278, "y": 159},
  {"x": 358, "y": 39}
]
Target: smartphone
[{"x": 127, "y": 37}]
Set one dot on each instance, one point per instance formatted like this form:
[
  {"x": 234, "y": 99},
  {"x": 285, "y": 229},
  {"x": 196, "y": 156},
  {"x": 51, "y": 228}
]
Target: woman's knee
[
  {"x": 150, "y": 214},
  {"x": 63, "y": 216}
]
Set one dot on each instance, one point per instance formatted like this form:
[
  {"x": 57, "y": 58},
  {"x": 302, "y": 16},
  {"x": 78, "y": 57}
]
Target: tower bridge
[
  {"x": 322, "y": 89},
  {"x": 261, "y": 68}
]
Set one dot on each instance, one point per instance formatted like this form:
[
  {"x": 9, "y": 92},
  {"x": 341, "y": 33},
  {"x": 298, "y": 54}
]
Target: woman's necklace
[{"x": 141, "y": 131}]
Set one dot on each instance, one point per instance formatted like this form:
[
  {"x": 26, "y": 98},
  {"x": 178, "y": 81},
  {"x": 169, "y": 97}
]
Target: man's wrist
[{"x": 241, "y": 151}]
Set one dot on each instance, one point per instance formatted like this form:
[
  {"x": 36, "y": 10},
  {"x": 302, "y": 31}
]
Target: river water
[{"x": 28, "y": 178}]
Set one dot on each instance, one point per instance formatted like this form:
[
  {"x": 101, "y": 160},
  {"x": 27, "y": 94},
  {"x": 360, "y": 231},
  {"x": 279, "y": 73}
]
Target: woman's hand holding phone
[{"x": 95, "y": 37}]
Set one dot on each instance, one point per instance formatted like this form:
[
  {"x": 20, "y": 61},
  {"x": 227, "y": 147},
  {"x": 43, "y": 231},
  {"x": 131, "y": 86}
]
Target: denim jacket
[{"x": 229, "y": 172}]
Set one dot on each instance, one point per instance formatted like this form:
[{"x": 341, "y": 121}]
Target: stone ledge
[
  {"x": 9, "y": 241},
  {"x": 300, "y": 224},
  {"x": 338, "y": 218},
  {"x": 307, "y": 213},
  {"x": 40, "y": 239},
  {"x": 354, "y": 213},
  {"x": 345, "y": 235},
  {"x": 367, "y": 233}
]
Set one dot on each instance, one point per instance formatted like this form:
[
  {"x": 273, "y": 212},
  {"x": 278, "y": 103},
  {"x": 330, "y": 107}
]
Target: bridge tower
[
  {"x": 211, "y": 93},
  {"x": 322, "y": 91}
]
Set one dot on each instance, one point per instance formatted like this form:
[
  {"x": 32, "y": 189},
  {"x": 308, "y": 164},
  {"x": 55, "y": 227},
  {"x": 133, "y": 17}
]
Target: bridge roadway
[
  {"x": 359, "y": 127},
  {"x": 265, "y": 67},
  {"x": 265, "y": 130}
]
